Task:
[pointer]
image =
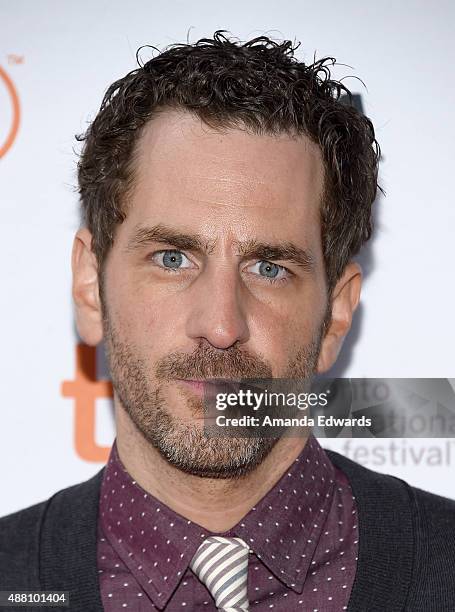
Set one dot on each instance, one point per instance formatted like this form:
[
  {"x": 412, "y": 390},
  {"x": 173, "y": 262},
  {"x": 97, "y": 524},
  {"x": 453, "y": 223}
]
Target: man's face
[{"x": 217, "y": 272}]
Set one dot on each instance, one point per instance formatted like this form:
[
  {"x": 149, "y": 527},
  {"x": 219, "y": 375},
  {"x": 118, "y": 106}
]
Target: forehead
[{"x": 225, "y": 179}]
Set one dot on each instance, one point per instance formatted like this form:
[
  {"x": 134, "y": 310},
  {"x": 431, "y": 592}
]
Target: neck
[{"x": 201, "y": 500}]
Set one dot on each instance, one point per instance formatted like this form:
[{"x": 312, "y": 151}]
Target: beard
[{"x": 181, "y": 443}]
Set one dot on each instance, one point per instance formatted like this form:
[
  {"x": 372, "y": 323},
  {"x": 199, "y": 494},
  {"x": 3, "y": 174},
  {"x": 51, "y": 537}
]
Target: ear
[
  {"x": 89, "y": 320},
  {"x": 345, "y": 299}
]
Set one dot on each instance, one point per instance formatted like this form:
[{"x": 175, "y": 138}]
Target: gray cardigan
[{"x": 406, "y": 545}]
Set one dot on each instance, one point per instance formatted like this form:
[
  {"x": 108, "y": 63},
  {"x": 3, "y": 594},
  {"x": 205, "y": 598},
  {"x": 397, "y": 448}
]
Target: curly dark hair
[{"x": 258, "y": 85}]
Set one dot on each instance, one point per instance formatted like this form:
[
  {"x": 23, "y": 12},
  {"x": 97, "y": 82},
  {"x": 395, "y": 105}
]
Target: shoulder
[
  {"x": 435, "y": 526},
  {"x": 21, "y": 533},
  {"x": 364, "y": 479},
  {"x": 19, "y": 537},
  {"x": 437, "y": 513},
  {"x": 434, "y": 556},
  {"x": 441, "y": 509},
  {"x": 406, "y": 530},
  {"x": 435, "y": 531}
]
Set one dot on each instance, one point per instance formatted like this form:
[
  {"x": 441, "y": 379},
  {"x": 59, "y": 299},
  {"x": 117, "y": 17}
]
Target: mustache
[{"x": 207, "y": 362}]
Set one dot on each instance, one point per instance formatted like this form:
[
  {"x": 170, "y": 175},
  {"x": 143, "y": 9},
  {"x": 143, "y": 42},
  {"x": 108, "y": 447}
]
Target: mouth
[
  {"x": 210, "y": 386},
  {"x": 201, "y": 389},
  {"x": 195, "y": 385}
]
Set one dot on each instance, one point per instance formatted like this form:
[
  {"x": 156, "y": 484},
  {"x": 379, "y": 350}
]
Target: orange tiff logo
[
  {"x": 86, "y": 389},
  {"x": 13, "y": 128}
]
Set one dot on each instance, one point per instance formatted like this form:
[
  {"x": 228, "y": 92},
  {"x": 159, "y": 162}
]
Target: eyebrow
[
  {"x": 144, "y": 236},
  {"x": 250, "y": 249},
  {"x": 281, "y": 250}
]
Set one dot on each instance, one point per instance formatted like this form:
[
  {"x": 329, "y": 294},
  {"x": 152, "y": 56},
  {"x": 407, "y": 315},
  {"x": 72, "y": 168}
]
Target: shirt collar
[
  {"x": 157, "y": 544},
  {"x": 154, "y": 542},
  {"x": 289, "y": 521}
]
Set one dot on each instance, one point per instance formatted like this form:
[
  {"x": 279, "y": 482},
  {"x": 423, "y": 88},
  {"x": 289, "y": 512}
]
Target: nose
[{"x": 217, "y": 309}]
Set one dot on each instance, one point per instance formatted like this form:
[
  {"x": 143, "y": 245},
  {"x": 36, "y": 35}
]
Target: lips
[
  {"x": 195, "y": 385},
  {"x": 218, "y": 385}
]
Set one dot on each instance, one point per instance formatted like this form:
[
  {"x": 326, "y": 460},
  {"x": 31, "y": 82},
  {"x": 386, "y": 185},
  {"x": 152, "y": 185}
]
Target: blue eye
[
  {"x": 172, "y": 260},
  {"x": 271, "y": 270}
]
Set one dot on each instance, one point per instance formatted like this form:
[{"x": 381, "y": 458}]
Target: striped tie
[{"x": 222, "y": 565}]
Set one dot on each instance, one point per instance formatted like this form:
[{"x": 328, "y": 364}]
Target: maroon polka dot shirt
[{"x": 302, "y": 535}]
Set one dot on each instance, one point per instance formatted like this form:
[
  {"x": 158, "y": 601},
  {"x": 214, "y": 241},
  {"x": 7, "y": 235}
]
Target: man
[{"x": 225, "y": 189}]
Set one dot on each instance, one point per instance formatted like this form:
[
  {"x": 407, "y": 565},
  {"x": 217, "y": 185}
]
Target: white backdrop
[{"x": 61, "y": 56}]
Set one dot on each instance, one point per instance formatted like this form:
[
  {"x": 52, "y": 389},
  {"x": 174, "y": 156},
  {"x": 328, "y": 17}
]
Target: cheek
[
  {"x": 280, "y": 337},
  {"x": 149, "y": 320},
  {"x": 141, "y": 322},
  {"x": 131, "y": 312}
]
